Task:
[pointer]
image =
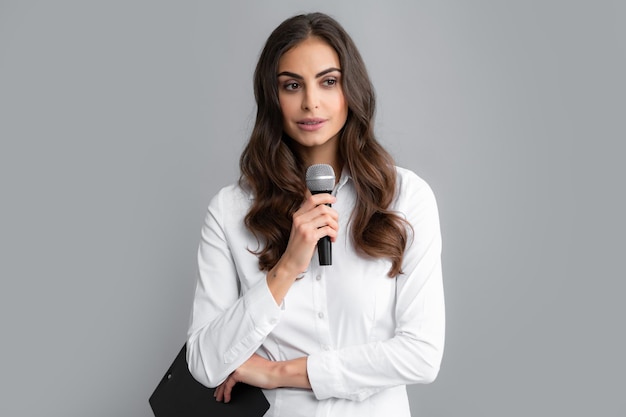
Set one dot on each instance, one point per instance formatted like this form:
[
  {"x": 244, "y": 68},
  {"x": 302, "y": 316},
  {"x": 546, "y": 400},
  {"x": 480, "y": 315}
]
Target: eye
[
  {"x": 291, "y": 86},
  {"x": 329, "y": 82}
]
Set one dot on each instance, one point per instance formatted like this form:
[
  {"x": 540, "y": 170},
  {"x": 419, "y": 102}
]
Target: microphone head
[{"x": 320, "y": 178}]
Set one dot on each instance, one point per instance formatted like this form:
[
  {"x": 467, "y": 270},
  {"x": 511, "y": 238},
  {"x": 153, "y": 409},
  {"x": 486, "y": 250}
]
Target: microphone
[{"x": 320, "y": 178}]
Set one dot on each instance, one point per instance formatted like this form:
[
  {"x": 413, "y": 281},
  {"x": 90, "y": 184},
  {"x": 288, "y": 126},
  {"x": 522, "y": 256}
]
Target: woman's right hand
[{"x": 311, "y": 222}]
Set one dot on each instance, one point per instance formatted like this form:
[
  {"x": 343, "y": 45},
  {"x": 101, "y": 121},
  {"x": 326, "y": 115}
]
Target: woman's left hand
[{"x": 256, "y": 371}]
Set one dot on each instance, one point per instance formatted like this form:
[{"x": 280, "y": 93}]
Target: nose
[{"x": 310, "y": 99}]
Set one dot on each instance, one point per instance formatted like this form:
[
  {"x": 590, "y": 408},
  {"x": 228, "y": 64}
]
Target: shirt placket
[
  {"x": 320, "y": 304},
  {"x": 320, "y": 293}
]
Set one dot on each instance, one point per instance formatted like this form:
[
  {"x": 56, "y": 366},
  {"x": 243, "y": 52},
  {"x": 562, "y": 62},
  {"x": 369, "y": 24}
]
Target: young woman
[{"x": 337, "y": 340}]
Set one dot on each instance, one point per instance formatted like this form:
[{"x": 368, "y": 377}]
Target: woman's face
[{"x": 311, "y": 96}]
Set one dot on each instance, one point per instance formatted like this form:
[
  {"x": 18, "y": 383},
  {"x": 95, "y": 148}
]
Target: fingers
[
  {"x": 228, "y": 389},
  {"x": 315, "y": 214},
  {"x": 219, "y": 392},
  {"x": 224, "y": 391},
  {"x": 314, "y": 200},
  {"x": 311, "y": 222},
  {"x": 317, "y": 223}
]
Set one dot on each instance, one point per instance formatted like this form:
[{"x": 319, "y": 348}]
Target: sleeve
[
  {"x": 414, "y": 353},
  {"x": 227, "y": 325}
]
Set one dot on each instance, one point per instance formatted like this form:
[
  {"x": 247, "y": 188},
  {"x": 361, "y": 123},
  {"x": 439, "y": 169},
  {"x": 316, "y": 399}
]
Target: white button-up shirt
[{"x": 365, "y": 335}]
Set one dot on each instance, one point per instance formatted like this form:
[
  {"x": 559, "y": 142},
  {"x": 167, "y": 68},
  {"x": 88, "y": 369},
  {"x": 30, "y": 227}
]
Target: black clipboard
[{"x": 180, "y": 395}]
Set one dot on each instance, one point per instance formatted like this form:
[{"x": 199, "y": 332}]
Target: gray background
[{"x": 120, "y": 119}]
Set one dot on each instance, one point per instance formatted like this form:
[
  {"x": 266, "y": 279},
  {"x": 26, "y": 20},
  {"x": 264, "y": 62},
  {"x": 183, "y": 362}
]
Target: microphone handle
[
  {"x": 324, "y": 251},
  {"x": 324, "y": 248}
]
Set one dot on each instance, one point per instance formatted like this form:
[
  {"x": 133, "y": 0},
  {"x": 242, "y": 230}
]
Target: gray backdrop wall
[{"x": 120, "y": 119}]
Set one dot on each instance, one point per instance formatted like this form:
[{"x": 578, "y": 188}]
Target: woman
[{"x": 338, "y": 340}]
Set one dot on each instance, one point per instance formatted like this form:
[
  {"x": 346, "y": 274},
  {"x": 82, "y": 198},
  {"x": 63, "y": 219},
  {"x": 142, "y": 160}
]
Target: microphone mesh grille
[{"x": 320, "y": 177}]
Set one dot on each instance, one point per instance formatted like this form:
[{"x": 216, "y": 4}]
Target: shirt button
[
  {"x": 325, "y": 347},
  {"x": 319, "y": 277},
  {"x": 320, "y": 315}
]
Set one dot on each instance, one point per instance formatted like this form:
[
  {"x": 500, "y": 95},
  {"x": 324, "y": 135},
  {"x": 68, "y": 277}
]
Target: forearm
[
  {"x": 293, "y": 373},
  {"x": 280, "y": 279},
  {"x": 260, "y": 372},
  {"x": 264, "y": 373}
]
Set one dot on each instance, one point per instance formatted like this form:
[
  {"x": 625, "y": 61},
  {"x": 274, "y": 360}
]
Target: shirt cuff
[
  {"x": 262, "y": 307},
  {"x": 321, "y": 369}
]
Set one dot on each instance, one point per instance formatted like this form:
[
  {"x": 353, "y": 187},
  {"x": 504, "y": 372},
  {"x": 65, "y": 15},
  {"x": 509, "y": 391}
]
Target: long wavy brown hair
[{"x": 276, "y": 174}]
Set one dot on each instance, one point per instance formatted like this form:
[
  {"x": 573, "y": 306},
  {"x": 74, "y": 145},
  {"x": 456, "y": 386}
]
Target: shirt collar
[{"x": 343, "y": 179}]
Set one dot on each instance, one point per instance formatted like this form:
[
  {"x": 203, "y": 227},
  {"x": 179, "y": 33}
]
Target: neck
[{"x": 323, "y": 155}]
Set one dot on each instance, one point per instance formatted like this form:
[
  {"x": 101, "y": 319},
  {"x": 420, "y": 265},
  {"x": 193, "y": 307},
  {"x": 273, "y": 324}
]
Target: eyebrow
[{"x": 300, "y": 77}]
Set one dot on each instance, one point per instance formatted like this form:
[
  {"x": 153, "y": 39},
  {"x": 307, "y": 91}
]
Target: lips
[{"x": 311, "y": 124}]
